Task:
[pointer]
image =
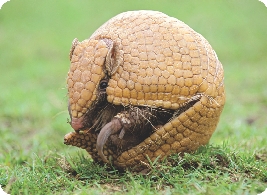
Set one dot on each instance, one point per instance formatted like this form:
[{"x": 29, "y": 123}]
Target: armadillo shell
[{"x": 150, "y": 60}]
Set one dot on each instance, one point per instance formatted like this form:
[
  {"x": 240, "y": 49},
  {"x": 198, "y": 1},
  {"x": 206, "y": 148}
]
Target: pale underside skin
[{"x": 144, "y": 85}]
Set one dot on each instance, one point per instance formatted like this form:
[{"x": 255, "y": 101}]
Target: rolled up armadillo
[{"x": 144, "y": 85}]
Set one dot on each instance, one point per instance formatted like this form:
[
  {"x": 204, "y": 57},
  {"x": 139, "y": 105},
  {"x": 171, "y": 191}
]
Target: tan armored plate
[{"x": 143, "y": 86}]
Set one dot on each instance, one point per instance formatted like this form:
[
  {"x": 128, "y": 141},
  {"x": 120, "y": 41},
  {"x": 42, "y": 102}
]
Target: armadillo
[{"x": 143, "y": 86}]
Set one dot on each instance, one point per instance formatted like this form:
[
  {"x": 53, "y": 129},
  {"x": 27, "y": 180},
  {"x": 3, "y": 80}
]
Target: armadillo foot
[{"x": 110, "y": 128}]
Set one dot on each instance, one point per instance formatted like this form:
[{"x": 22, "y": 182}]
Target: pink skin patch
[{"x": 77, "y": 123}]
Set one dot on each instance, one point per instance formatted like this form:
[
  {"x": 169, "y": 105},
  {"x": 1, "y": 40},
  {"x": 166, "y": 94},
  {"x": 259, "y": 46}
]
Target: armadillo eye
[{"x": 103, "y": 85}]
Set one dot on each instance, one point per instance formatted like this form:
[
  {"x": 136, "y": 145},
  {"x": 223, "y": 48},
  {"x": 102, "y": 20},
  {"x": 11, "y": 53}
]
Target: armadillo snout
[{"x": 77, "y": 123}]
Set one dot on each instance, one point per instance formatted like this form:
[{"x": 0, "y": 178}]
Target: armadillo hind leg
[{"x": 185, "y": 132}]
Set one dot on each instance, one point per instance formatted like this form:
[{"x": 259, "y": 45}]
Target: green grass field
[{"x": 35, "y": 39}]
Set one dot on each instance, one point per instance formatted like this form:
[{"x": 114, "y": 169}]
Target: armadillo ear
[
  {"x": 107, "y": 55},
  {"x": 75, "y": 42},
  {"x": 110, "y": 56},
  {"x": 113, "y": 58}
]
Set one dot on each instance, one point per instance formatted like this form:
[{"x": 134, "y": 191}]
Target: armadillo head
[{"x": 87, "y": 80}]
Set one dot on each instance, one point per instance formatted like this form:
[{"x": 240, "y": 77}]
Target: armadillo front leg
[
  {"x": 113, "y": 127},
  {"x": 125, "y": 125}
]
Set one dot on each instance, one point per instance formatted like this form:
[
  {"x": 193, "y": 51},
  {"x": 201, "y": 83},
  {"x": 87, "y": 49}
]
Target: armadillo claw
[{"x": 110, "y": 128}]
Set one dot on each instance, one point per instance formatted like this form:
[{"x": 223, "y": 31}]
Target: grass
[{"x": 35, "y": 40}]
